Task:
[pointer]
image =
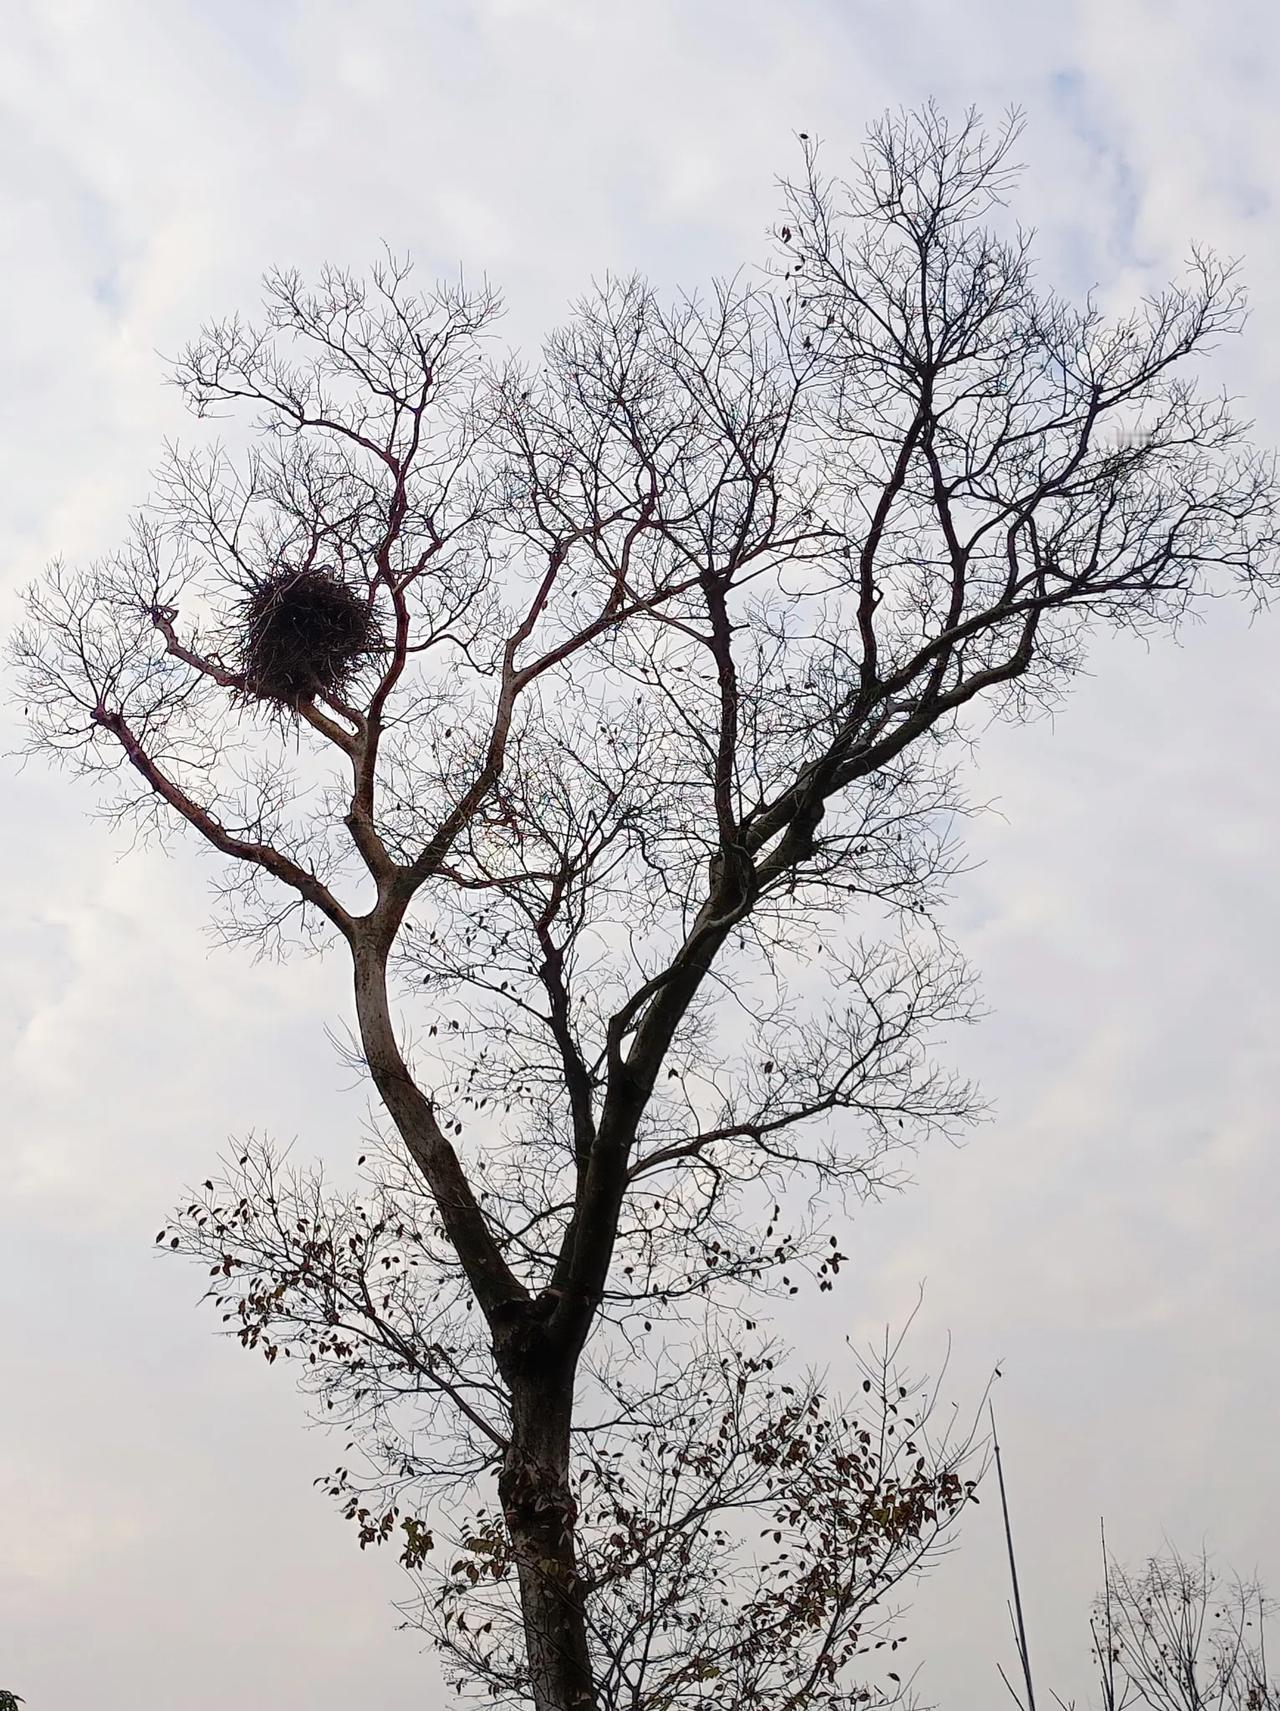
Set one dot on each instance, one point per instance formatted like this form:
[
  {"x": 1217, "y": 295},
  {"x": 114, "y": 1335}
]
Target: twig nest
[{"x": 304, "y": 633}]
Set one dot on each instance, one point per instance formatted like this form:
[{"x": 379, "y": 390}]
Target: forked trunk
[
  {"x": 541, "y": 1514},
  {"x": 537, "y": 1502}
]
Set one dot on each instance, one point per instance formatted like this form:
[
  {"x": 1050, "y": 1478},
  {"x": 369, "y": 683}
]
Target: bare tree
[
  {"x": 1175, "y": 1636},
  {"x": 605, "y": 709},
  {"x": 1171, "y": 1636}
]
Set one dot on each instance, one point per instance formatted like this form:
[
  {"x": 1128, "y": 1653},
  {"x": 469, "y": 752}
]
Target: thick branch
[{"x": 281, "y": 867}]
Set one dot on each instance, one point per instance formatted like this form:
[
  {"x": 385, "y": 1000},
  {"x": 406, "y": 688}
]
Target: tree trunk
[{"x": 541, "y": 1514}]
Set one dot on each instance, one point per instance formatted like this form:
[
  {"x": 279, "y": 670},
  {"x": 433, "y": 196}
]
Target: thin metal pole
[{"x": 1013, "y": 1570}]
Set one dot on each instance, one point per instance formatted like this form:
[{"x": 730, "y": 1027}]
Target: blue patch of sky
[
  {"x": 98, "y": 233},
  {"x": 1106, "y": 237},
  {"x": 257, "y": 34},
  {"x": 105, "y": 289}
]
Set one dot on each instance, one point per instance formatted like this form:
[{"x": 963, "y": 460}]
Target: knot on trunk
[
  {"x": 734, "y": 883},
  {"x": 521, "y": 1345}
]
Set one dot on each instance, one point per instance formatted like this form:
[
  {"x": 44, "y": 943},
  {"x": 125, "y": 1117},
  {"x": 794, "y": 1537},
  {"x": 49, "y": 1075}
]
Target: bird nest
[{"x": 304, "y": 633}]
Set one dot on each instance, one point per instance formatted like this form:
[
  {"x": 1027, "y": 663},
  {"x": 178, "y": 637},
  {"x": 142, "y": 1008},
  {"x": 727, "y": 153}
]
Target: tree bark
[{"x": 540, "y": 1512}]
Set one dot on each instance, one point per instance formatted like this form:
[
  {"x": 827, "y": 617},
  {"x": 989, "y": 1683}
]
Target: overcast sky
[{"x": 1110, "y": 1237}]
